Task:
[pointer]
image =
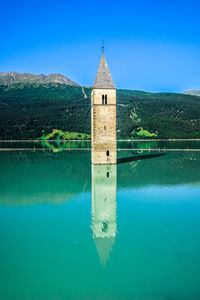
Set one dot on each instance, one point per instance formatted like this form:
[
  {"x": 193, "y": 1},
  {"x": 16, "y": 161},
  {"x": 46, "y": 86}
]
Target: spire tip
[{"x": 102, "y": 46}]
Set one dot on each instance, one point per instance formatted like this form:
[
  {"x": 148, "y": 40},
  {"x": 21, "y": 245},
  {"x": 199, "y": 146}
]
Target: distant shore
[{"x": 127, "y": 140}]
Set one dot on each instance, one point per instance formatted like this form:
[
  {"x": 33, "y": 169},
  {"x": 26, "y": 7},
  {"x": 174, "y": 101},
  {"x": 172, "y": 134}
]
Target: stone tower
[
  {"x": 104, "y": 223},
  {"x": 103, "y": 114}
]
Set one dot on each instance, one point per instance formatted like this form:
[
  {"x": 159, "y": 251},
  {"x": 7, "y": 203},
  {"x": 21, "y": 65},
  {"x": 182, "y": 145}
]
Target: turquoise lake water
[{"x": 70, "y": 230}]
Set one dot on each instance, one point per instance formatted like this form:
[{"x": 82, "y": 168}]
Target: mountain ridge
[
  {"x": 192, "y": 92},
  {"x": 8, "y": 78}
]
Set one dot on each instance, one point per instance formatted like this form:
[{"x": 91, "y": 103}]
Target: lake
[{"x": 70, "y": 230}]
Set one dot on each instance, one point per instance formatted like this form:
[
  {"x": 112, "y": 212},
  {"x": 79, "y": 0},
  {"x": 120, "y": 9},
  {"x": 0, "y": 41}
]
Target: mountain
[
  {"x": 7, "y": 78},
  {"x": 192, "y": 92},
  {"x": 30, "y": 111}
]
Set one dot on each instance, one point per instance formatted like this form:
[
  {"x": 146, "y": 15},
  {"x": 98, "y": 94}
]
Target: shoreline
[
  {"x": 128, "y": 140},
  {"x": 89, "y": 149}
]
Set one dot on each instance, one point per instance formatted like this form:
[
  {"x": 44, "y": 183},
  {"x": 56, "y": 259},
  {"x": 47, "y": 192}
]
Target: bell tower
[
  {"x": 104, "y": 205},
  {"x": 103, "y": 114}
]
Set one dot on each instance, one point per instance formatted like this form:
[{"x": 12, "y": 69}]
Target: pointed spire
[
  {"x": 104, "y": 248},
  {"x": 103, "y": 78}
]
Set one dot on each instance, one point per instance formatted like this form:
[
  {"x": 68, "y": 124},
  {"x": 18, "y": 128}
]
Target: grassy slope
[
  {"x": 31, "y": 111},
  {"x": 65, "y": 135}
]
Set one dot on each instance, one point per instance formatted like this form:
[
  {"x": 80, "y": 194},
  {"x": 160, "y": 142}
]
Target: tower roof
[{"x": 103, "y": 78}]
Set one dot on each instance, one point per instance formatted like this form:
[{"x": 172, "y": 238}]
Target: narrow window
[
  {"x": 107, "y": 174},
  {"x": 104, "y": 227},
  {"x": 103, "y": 101},
  {"x": 104, "y": 127},
  {"x": 107, "y": 152}
]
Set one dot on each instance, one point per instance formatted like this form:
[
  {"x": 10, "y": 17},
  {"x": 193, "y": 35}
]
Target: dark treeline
[{"x": 28, "y": 111}]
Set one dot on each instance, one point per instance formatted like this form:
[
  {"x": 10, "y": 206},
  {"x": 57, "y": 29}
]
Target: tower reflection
[{"x": 104, "y": 226}]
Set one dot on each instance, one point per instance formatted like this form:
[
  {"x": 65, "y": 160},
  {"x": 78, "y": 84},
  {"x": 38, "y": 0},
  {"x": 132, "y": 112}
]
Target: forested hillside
[{"x": 34, "y": 110}]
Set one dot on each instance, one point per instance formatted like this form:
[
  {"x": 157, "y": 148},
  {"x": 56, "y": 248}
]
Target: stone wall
[{"x": 103, "y": 127}]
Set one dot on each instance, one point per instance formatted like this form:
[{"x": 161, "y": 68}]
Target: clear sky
[{"x": 149, "y": 45}]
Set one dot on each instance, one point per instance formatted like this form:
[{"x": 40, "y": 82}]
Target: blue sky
[{"x": 149, "y": 45}]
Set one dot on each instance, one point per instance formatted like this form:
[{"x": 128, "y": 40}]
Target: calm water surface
[{"x": 72, "y": 231}]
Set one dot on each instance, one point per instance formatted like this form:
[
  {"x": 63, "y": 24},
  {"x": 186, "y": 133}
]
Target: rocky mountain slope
[
  {"x": 192, "y": 92},
  {"x": 7, "y": 78}
]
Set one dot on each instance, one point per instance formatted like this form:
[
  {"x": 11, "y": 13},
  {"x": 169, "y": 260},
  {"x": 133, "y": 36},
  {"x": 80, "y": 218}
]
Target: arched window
[
  {"x": 107, "y": 153},
  {"x": 103, "y": 101},
  {"x": 107, "y": 174}
]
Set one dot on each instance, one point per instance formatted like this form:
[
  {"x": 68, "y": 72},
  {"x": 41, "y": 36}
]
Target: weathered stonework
[{"x": 103, "y": 112}]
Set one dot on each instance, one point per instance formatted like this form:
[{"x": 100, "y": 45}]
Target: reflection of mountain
[
  {"x": 45, "y": 177},
  {"x": 28, "y": 178},
  {"x": 104, "y": 209},
  {"x": 175, "y": 168}
]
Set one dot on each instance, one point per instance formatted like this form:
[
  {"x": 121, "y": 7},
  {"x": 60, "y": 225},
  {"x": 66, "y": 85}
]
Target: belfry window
[
  {"x": 107, "y": 153},
  {"x": 105, "y": 99}
]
